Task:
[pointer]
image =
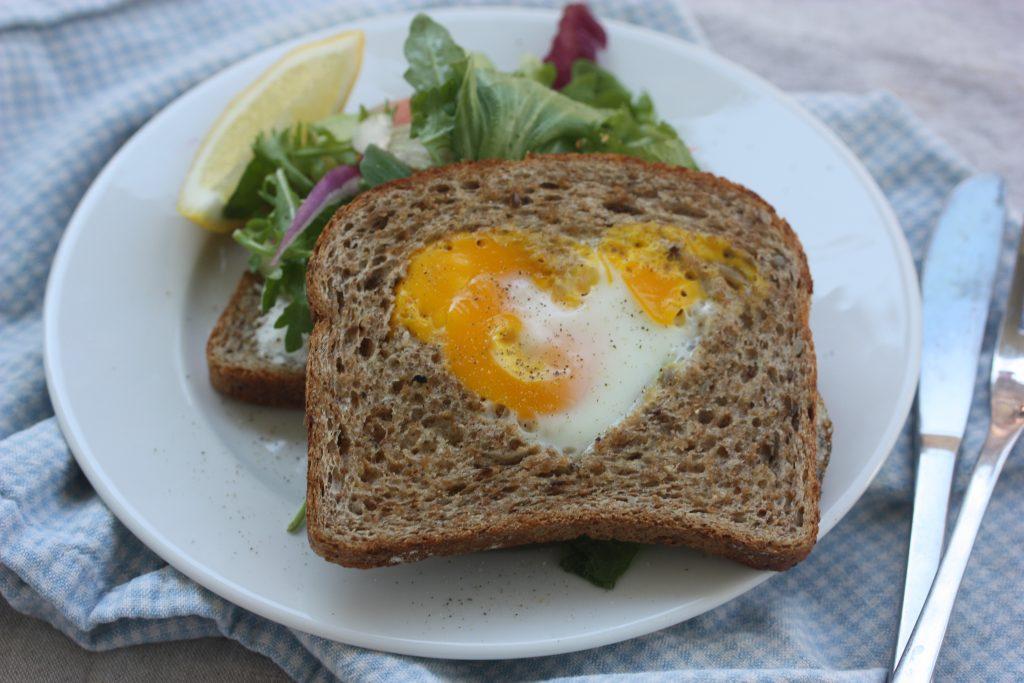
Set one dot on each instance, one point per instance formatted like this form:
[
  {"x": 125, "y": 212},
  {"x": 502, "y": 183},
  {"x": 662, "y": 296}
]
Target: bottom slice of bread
[{"x": 237, "y": 368}]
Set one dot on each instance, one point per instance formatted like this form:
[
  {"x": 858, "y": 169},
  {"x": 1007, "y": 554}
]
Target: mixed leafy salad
[{"x": 462, "y": 108}]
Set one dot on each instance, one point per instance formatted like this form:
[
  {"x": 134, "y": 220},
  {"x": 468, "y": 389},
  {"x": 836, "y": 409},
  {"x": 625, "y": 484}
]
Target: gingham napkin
[{"x": 78, "y": 76}]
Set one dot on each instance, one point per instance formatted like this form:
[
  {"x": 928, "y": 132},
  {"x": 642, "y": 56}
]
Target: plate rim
[{"x": 293, "y": 618}]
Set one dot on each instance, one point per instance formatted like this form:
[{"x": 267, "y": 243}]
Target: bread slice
[
  {"x": 722, "y": 454},
  {"x": 237, "y": 368}
]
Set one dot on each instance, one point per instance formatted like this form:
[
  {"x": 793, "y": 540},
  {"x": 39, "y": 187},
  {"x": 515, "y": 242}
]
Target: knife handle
[
  {"x": 935, "y": 466},
  {"x": 922, "y": 652}
]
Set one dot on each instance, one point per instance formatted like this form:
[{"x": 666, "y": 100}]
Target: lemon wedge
[{"x": 306, "y": 84}]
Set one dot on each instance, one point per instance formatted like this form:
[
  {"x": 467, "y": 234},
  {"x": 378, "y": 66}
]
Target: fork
[{"x": 1007, "y": 408}]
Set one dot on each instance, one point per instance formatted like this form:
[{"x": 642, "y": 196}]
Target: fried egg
[{"x": 566, "y": 334}]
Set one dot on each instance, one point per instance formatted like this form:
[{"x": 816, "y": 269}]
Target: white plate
[{"x": 209, "y": 484}]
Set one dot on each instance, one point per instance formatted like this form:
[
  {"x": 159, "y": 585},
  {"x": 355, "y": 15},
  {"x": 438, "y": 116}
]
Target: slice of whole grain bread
[
  {"x": 236, "y": 365},
  {"x": 722, "y": 454}
]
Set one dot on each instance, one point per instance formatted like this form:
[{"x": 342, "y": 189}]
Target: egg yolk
[
  {"x": 484, "y": 350},
  {"x": 656, "y": 263},
  {"x": 442, "y": 270},
  {"x": 454, "y": 295}
]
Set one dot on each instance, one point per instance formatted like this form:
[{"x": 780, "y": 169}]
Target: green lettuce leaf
[
  {"x": 504, "y": 116},
  {"x": 379, "y": 167},
  {"x": 531, "y": 67},
  {"x": 590, "y": 84},
  {"x": 464, "y": 108},
  {"x": 599, "y": 562},
  {"x": 433, "y": 120},
  {"x": 632, "y": 126},
  {"x": 434, "y": 58}
]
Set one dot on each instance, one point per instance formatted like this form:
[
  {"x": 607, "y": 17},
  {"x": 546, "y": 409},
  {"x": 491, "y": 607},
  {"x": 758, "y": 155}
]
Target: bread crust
[
  {"x": 335, "y": 456},
  {"x": 552, "y": 527},
  {"x": 235, "y": 370}
]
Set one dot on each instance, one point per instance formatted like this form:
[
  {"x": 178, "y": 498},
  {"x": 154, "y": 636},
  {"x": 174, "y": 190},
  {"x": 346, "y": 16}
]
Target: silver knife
[{"x": 959, "y": 270}]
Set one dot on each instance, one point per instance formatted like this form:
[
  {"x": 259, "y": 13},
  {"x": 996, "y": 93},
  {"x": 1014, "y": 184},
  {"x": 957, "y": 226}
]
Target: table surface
[{"x": 973, "y": 73}]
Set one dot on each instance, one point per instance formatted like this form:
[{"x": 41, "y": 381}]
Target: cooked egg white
[
  {"x": 566, "y": 334},
  {"x": 616, "y": 349}
]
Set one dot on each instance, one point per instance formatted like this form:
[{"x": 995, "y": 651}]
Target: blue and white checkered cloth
[{"x": 77, "y": 77}]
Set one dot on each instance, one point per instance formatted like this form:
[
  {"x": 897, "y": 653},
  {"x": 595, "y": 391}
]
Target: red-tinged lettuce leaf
[{"x": 579, "y": 37}]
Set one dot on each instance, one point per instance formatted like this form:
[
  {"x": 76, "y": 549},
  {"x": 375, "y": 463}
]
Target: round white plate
[{"x": 209, "y": 484}]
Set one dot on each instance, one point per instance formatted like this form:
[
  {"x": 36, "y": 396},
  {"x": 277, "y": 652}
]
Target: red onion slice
[{"x": 339, "y": 183}]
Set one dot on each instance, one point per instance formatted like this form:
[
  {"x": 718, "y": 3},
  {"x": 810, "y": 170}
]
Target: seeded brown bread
[
  {"x": 722, "y": 454},
  {"x": 236, "y": 367}
]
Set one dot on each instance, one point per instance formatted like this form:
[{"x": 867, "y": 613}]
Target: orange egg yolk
[
  {"x": 453, "y": 295},
  {"x": 649, "y": 258},
  {"x": 484, "y": 350}
]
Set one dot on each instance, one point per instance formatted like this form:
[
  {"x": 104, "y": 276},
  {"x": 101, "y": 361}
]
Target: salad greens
[
  {"x": 462, "y": 108},
  {"x": 632, "y": 127},
  {"x": 298, "y": 520},
  {"x": 531, "y": 67},
  {"x": 434, "y": 58},
  {"x": 305, "y": 152},
  {"x": 599, "y": 562},
  {"x": 285, "y": 166},
  {"x": 379, "y": 167},
  {"x": 505, "y": 116}
]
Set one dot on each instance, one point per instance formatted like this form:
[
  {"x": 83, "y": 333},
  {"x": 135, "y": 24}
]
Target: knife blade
[{"x": 956, "y": 285}]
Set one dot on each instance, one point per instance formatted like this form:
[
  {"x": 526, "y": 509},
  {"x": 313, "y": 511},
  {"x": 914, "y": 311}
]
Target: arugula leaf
[
  {"x": 433, "y": 120},
  {"x": 434, "y": 58},
  {"x": 599, "y": 562},
  {"x": 379, "y": 167},
  {"x": 276, "y": 150},
  {"x": 503, "y": 116},
  {"x": 295, "y": 318},
  {"x": 245, "y": 201},
  {"x": 305, "y": 152},
  {"x": 260, "y": 237},
  {"x": 299, "y": 520},
  {"x": 271, "y": 290},
  {"x": 436, "y": 69}
]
